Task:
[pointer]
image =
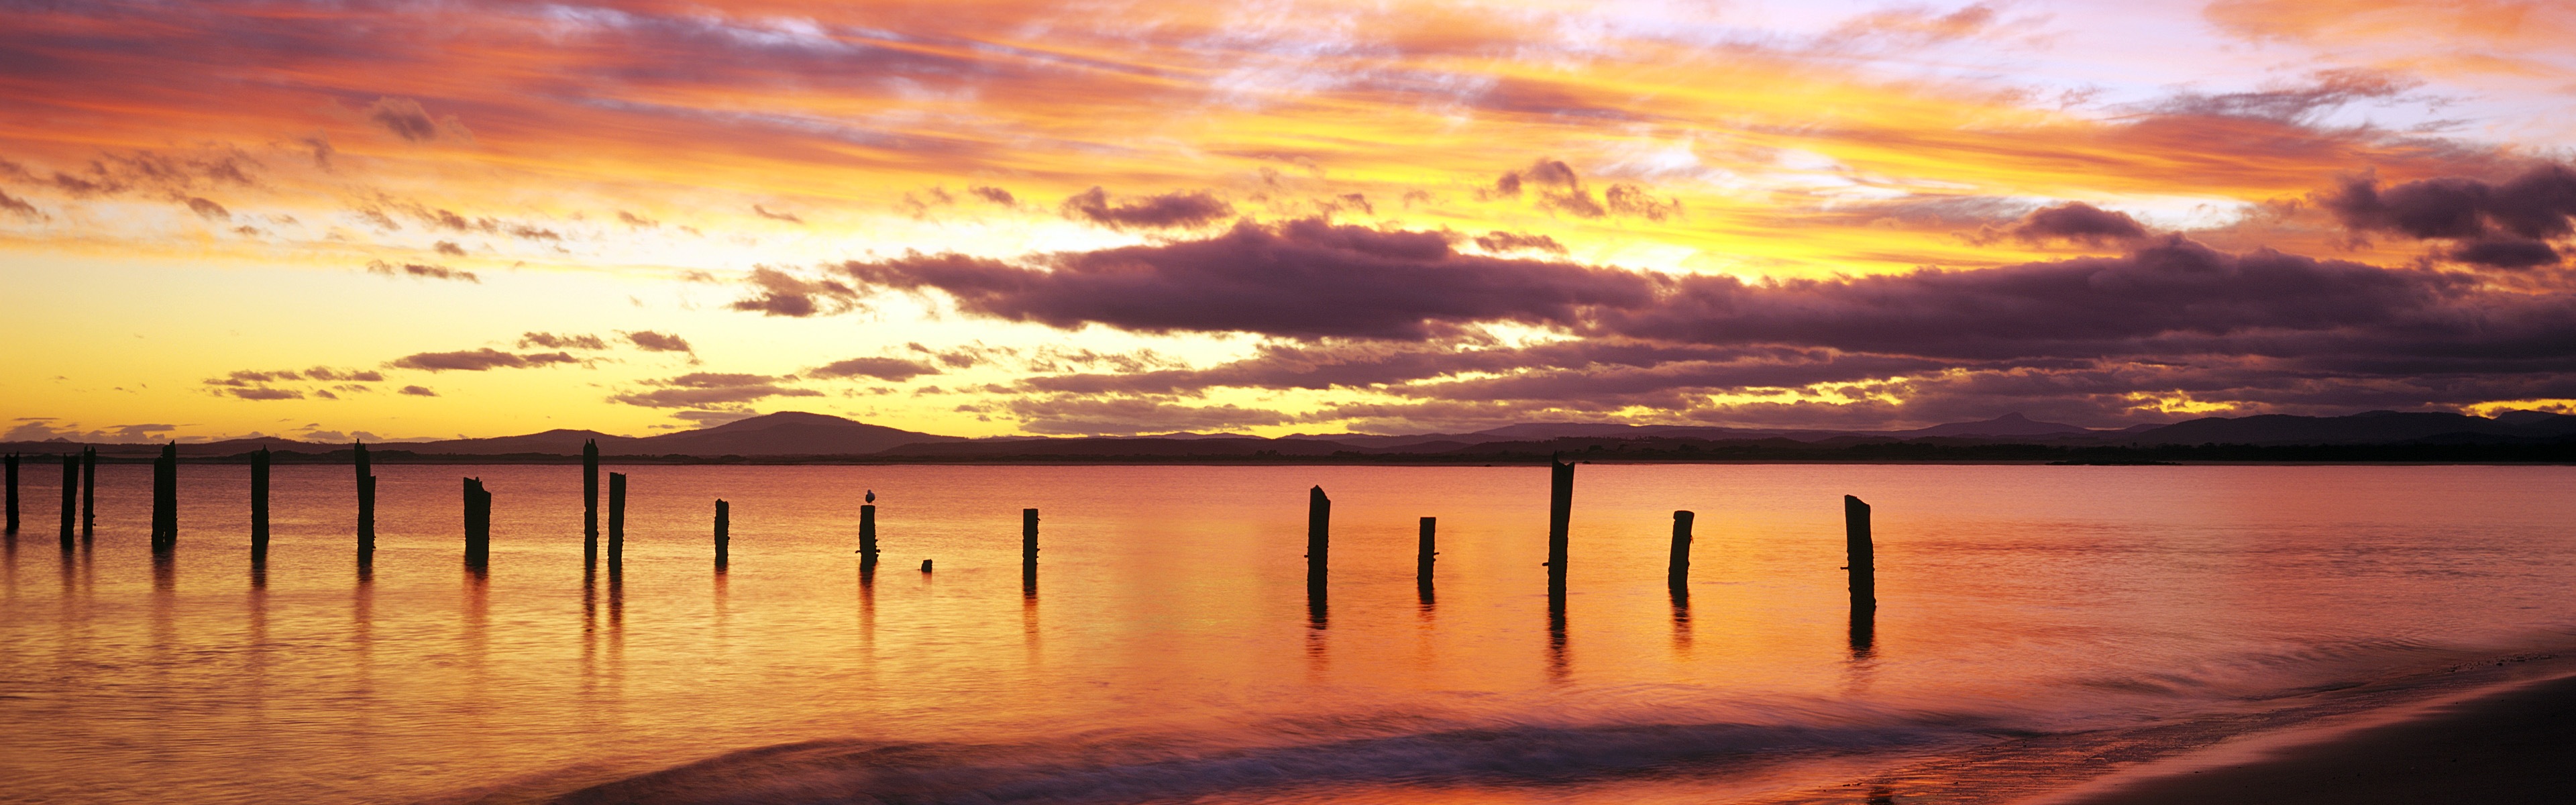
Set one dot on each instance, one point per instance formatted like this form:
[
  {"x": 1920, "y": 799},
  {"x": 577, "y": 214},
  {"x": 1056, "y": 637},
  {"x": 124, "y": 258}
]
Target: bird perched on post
[{"x": 872, "y": 496}]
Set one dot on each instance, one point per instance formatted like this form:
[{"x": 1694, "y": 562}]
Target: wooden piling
[
  {"x": 1677, "y": 570},
  {"x": 868, "y": 536},
  {"x": 925, "y": 565},
  {"x": 259, "y": 505},
  {"x": 1029, "y": 537},
  {"x": 724, "y": 533},
  {"x": 366, "y": 503},
  {"x": 165, "y": 499},
  {"x": 478, "y": 524},
  {"x": 590, "y": 501},
  {"x": 13, "y": 492},
  {"x": 1858, "y": 550},
  {"x": 616, "y": 518},
  {"x": 1424, "y": 550},
  {"x": 89, "y": 492},
  {"x": 1560, "y": 513},
  {"x": 1319, "y": 536},
  {"x": 71, "y": 496}
]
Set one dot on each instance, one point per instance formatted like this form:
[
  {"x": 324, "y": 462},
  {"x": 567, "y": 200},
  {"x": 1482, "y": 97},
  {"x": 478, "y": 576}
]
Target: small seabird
[{"x": 872, "y": 496}]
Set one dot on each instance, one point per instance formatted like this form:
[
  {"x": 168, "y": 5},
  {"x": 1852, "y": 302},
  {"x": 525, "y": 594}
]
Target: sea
[{"x": 2036, "y": 628}]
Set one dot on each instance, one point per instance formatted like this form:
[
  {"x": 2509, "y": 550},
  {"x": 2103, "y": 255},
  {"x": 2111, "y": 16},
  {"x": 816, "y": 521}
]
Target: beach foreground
[{"x": 2511, "y": 746}]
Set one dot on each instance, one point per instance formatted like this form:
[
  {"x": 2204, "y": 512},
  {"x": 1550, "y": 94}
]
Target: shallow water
[{"x": 1169, "y": 650}]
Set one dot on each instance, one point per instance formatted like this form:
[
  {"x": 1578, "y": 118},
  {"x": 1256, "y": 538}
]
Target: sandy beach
[{"x": 2514, "y": 745}]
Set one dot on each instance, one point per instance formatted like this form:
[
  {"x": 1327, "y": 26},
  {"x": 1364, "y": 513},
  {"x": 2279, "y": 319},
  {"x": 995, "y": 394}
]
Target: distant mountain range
[{"x": 790, "y": 435}]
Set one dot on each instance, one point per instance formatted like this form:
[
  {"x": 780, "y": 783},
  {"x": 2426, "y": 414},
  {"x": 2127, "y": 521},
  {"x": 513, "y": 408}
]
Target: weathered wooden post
[
  {"x": 259, "y": 506},
  {"x": 165, "y": 496},
  {"x": 868, "y": 533},
  {"x": 1424, "y": 550},
  {"x": 89, "y": 491},
  {"x": 925, "y": 565},
  {"x": 590, "y": 501},
  {"x": 724, "y": 533},
  {"x": 1319, "y": 538},
  {"x": 366, "y": 504},
  {"x": 13, "y": 492},
  {"x": 71, "y": 496},
  {"x": 478, "y": 524},
  {"x": 616, "y": 518},
  {"x": 1029, "y": 537},
  {"x": 1028, "y": 554},
  {"x": 1858, "y": 550},
  {"x": 1560, "y": 513},
  {"x": 1677, "y": 570}
]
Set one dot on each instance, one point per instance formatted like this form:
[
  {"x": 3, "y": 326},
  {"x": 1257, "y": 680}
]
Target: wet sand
[{"x": 2518, "y": 745}]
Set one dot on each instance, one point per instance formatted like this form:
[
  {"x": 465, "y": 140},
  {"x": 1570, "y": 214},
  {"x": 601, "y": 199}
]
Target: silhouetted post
[
  {"x": 1029, "y": 537},
  {"x": 1424, "y": 550},
  {"x": 1863, "y": 567},
  {"x": 259, "y": 505},
  {"x": 13, "y": 493},
  {"x": 1319, "y": 537},
  {"x": 89, "y": 491},
  {"x": 616, "y": 518},
  {"x": 868, "y": 536},
  {"x": 366, "y": 503},
  {"x": 71, "y": 496},
  {"x": 724, "y": 533},
  {"x": 1560, "y": 513},
  {"x": 590, "y": 501},
  {"x": 925, "y": 565},
  {"x": 478, "y": 524},
  {"x": 1677, "y": 571}
]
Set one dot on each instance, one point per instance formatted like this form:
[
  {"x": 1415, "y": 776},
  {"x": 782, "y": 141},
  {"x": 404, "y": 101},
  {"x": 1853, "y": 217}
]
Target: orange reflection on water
[{"x": 1169, "y": 647}]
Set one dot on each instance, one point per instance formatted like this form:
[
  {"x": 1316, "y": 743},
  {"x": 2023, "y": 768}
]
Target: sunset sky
[{"x": 984, "y": 217}]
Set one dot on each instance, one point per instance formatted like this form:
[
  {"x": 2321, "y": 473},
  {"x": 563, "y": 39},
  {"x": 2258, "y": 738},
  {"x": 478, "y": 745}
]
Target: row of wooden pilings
[{"x": 80, "y": 491}]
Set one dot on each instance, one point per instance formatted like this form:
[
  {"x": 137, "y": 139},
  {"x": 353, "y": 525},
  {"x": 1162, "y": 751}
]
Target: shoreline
[{"x": 2504, "y": 743}]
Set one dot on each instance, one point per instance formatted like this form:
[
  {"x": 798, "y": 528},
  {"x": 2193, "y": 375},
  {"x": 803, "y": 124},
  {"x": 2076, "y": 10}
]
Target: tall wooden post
[
  {"x": 259, "y": 505},
  {"x": 724, "y": 533},
  {"x": 1319, "y": 537},
  {"x": 616, "y": 518},
  {"x": 89, "y": 491},
  {"x": 1857, "y": 547},
  {"x": 1029, "y": 537},
  {"x": 590, "y": 501},
  {"x": 1424, "y": 550},
  {"x": 71, "y": 496},
  {"x": 478, "y": 524},
  {"x": 13, "y": 492},
  {"x": 1677, "y": 570},
  {"x": 165, "y": 499},
  {"x": 1560, "y": 513},
  {"x": 366, "y": 503},
  {"x": 1029, "y": 554},
  {"x": 868, "y": 536}
]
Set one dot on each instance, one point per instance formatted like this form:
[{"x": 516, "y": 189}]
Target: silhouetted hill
[
  {"x": 787, "y": 433},
  {"x": 2375, "y": 427},
  {"x": 2012, "y": 424}
]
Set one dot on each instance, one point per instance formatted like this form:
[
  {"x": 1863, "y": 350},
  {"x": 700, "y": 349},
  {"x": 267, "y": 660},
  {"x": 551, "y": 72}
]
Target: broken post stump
[
  {"x": 366, "y": 503},
  {"x": 925, "y": 565},
  {"x": 1677, "y": 569},
  {"x": 724, "y": 533},
  {"x": 616, "y": 518},
  {"x": 259, "y": 505},
  {"x": 1423, "y": 552},
  {"x": 1319, "y": 537},
  {"x": 868, "y": 536},
  {"x": 590, "y": 501},
  {"x": 1858, "y": 550},
  {"x": 478, "y": 524},
  {"x": 1560, "y": 513}
]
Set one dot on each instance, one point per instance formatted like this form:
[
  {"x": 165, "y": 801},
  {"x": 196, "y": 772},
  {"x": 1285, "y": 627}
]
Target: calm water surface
[{"x": 1169, "y": 652}]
